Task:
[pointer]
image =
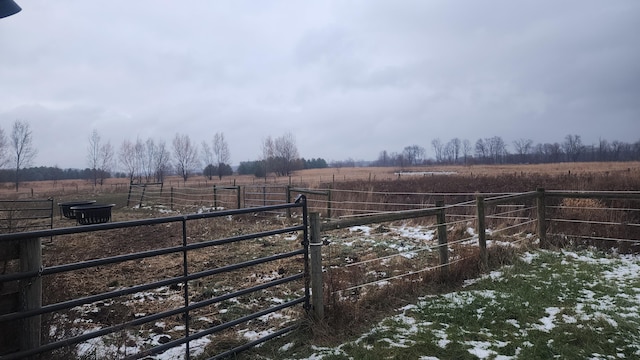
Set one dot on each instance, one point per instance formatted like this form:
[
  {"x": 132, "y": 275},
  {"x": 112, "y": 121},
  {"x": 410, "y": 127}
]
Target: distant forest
[{"x": 453, "y": 152}]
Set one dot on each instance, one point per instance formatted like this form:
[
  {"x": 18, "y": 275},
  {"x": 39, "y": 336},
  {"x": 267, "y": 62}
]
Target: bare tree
[
  {"x": 448, "y": 153},
  {"x": 93, "y": 155},
  {"x": 22, "y": 144},
  {"x": 207, "y": 159},
  {"x": 456, "y": 146},
  {"x": 573, "y": 147},
  {"x": 161, "y": 161},
  {"x": 127, "y": 157},
  {"x": 383, "y": 159},
  {"x": 4, "y": 154},
  {"x": 497, "y": 149},
  {"x": 466, "y": 150},
  {"x": 414, "y": 154},
  {"x": 437, "y": 148},
  {"x": 99, "y": 157},
  {"x": 286, "y": 152},
  {"x": 523, "y": 148},
  {"x": 221, "y": 153},
  {"x": 185, "y": 154},
  {"x": 106, "y": 161},
  {"x": 482, "y": 150},
  {"x": 268, "y": 154}
]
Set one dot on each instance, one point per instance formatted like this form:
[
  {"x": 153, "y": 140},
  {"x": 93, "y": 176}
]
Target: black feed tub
[
  {"x": 65, "y": 207},
  {"x": 93, "y": 214}
]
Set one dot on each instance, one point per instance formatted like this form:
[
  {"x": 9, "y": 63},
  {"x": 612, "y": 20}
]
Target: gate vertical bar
[
  {"x": 186, "y": 284},
  {"x": 482, "y": 239},
  {"x": 315, "y": 245},
  {"x": 301, "y": 199}
]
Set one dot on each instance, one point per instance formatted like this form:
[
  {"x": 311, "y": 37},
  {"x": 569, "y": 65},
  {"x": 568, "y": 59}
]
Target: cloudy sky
[{"x": 348, "y": 78}]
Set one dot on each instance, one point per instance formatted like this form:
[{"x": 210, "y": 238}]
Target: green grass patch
[{"x": 568, "y": 305}]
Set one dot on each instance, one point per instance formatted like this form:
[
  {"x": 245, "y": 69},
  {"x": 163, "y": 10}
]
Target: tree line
[
  {"x": 148, "y": 160},
  {"x": 495, "y": 150}
]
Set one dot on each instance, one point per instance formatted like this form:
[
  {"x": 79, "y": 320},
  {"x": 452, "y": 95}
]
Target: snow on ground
[{"x": 595, "y": 308}]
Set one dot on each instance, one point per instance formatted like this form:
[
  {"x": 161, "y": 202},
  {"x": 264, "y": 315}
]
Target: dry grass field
[{"x": 318, "y": 177}]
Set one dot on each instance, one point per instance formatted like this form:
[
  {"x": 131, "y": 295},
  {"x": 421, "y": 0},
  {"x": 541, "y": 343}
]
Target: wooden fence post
[
  {"x": 442, "y": 238},
  {"x": 171, "y": 199},
  {"x": 542, "y": 218},
  {"x": 144, "y": 188},
  {"x": 289, "y": 197},
  {"x": 129, "y": 195},
  {"x": 238, "y": 194},
  {"x": 215, "y": 198},
  {"x": 315, "y": 251},
  {"x": 482, "y": 239},
  {"x": 329, "y": 203},
  {"x": 30, "y": 293}
]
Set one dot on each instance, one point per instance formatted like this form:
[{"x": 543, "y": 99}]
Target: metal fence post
[
  {"x": 30, "y": 292},
  {"x": 482, "y": 240},
  {"x": 542, "y": 218},
  {"x": 315, "y": 251},
  {"x": 442, "y": 238}
]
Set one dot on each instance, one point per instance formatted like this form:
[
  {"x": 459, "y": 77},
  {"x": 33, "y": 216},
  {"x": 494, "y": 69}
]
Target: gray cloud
[{"x": 348, "y": 78}]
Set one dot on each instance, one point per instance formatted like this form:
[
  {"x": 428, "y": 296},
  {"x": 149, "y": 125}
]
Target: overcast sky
[{"x": 348, "y": 78}]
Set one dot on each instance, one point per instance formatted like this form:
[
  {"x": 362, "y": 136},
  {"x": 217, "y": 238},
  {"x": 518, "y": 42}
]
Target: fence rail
[
  {"x": 479, "y": 221},
  {"x": 25, "y": 215},
  {"x": 29, "y": 276}
]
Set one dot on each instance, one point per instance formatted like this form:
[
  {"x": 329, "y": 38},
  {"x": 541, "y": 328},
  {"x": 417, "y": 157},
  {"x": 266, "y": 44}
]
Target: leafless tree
[
  {"x": 207, "y": 159},
  {"x": 22, "y": 144},
  {"x": 456, "y": 146},
  {"x": 383, "y": 159},
  {"x": 497, "y": 149},
  {"x": 93, "y": 155},
  {"x": 161, "y": 161},
  {"x": 448, "y": 154},
  {"x": 268, "y": 154},
  {"x": 573, "y": 147},
  {"x": 286, "y": 152},
  {"x": 221, "y": 152},
  {"x": 128, "y": 158},
  {"x": 523, "y": 148},
  {"x": 99, "y": 157},
  {"x": 466, "y": 150},
  {"x": 185, "y": 154},
  {"x": 438, "y": 148},
  {"x": 414, "y": 154},
  {"x": 4, "y": 154},
  {"x": 482, "y": 150}
]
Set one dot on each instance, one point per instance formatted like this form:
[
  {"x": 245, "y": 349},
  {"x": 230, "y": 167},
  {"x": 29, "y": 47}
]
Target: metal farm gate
[{"x": 186, "y": 292}]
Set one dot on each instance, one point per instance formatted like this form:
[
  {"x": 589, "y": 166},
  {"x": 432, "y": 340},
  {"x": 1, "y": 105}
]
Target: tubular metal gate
[
  {"x": 27, "y": 315},
  {"x": 25, "y": 215}
]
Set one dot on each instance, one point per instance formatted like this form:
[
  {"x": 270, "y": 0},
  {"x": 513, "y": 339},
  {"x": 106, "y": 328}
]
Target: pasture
[{"x": 370, "y": 271}]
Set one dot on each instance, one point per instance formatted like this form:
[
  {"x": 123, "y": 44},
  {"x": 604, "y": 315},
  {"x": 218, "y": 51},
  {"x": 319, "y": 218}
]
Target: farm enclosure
[{"x": 363, "y": 263}]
